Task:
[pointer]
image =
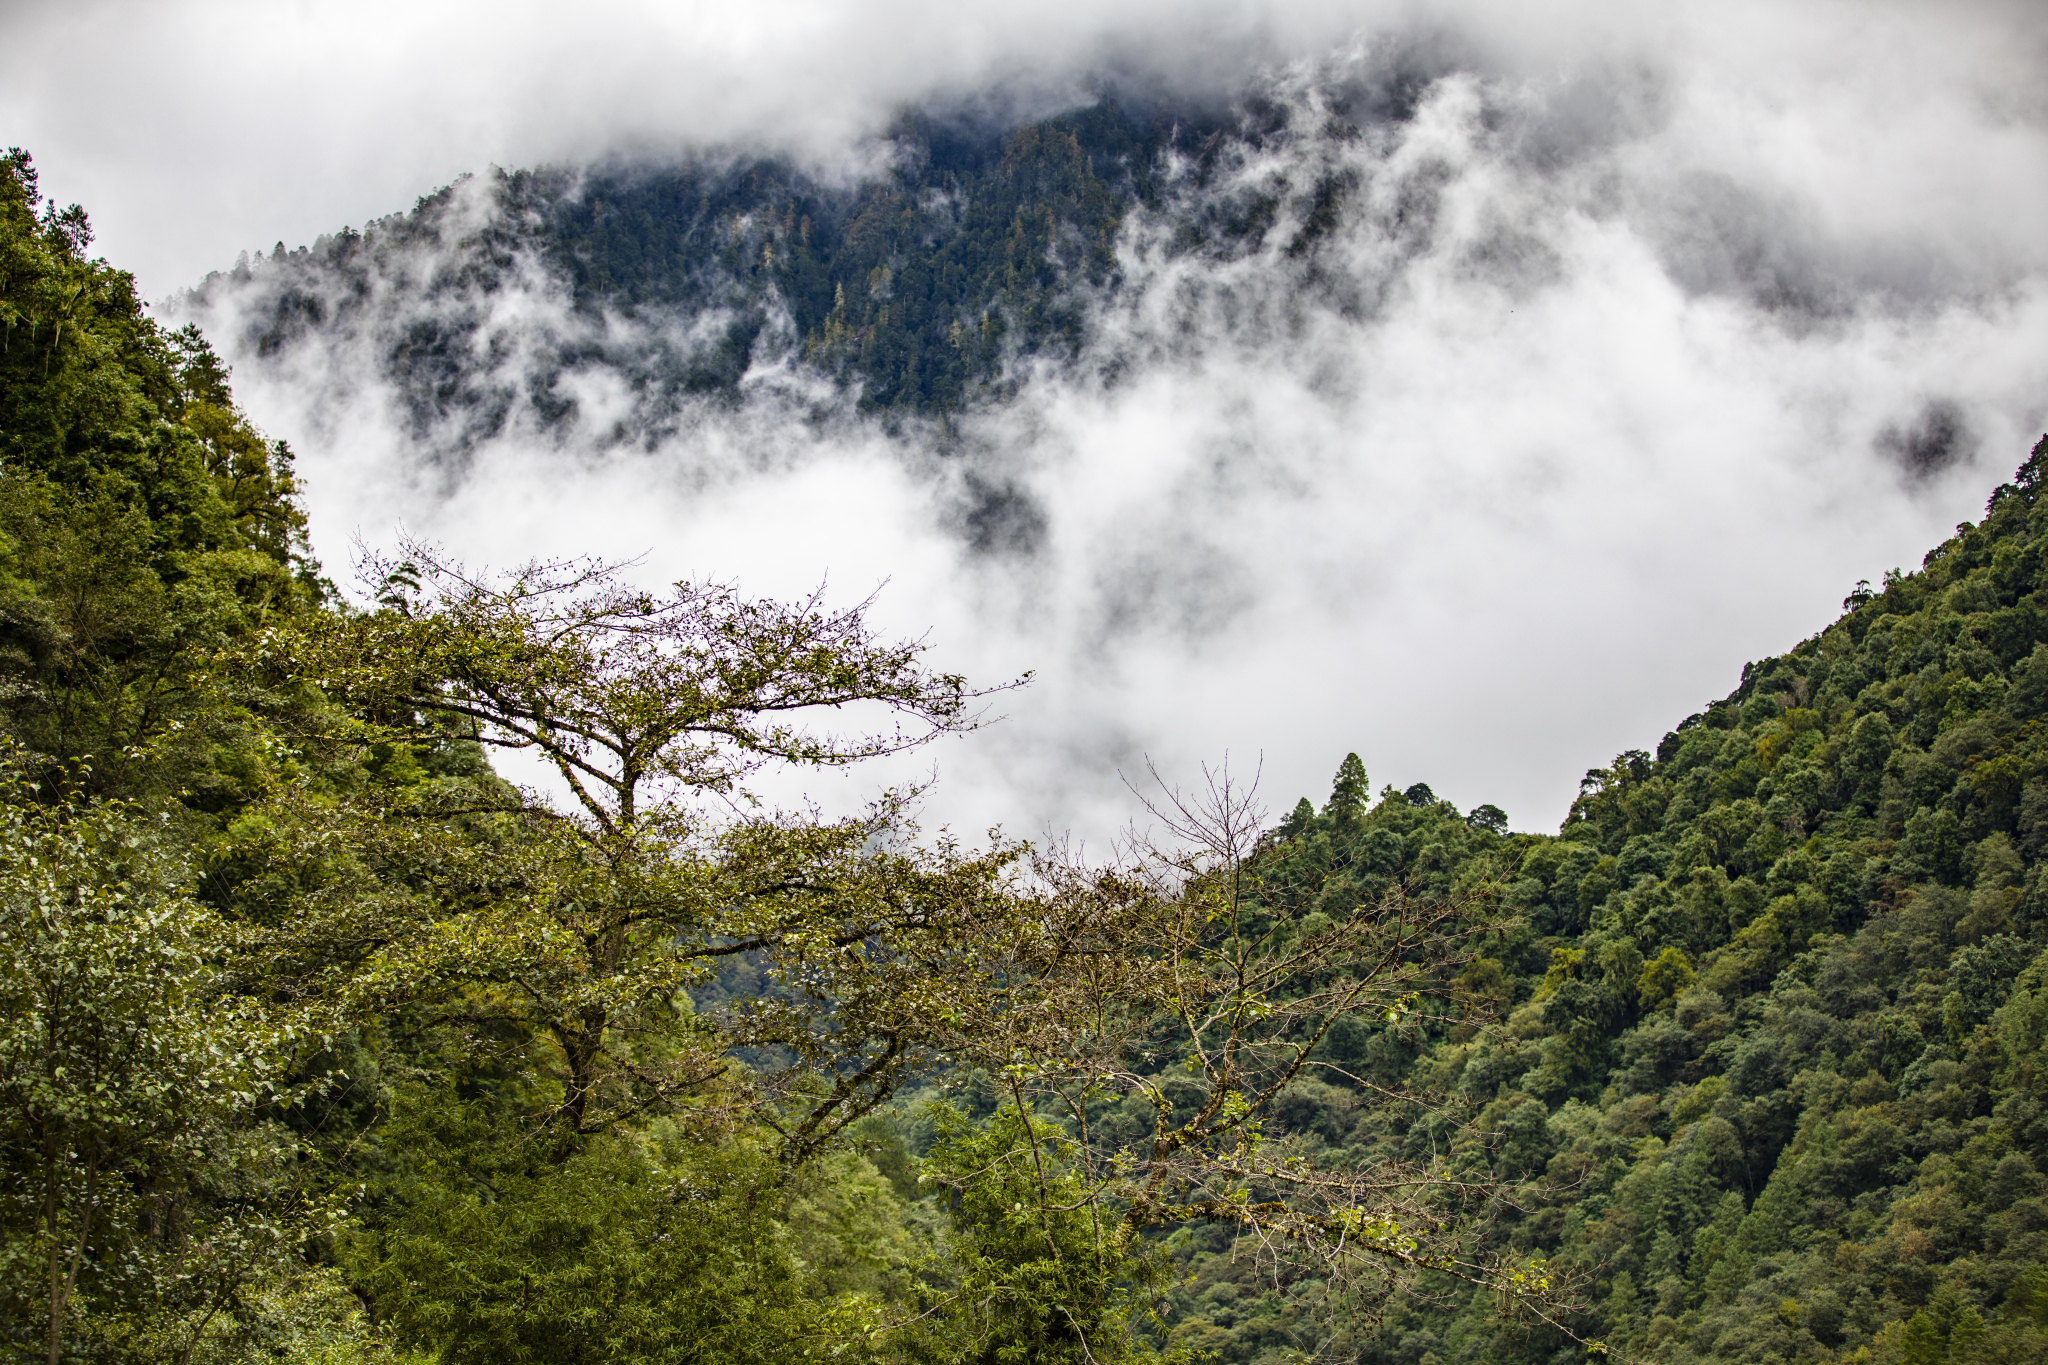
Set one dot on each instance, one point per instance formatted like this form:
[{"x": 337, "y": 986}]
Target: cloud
[
  {"x": 1640, "y": 334},
  {"x": 199, "y": 128}
]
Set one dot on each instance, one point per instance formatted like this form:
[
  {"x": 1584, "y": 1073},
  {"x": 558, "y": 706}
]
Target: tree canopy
[{"x": 322, "y": 1040}]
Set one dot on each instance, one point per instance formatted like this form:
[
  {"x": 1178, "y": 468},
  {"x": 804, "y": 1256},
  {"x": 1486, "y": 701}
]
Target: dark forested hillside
[
  {"x": 976, "y": 248},
  {"x": 1775, "y": 1014},
  {"x": 141, "y": 518},
  {"x": 964, "y": 252}
]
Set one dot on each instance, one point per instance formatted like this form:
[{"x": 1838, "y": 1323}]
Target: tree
[
  {"x": 1348, "y": 793},
  {"x": 1490, "y": 818},
  {"x": 1665, "y": 978},
  {"x": 1137, "y": 1046},
  {"x": 581, "y": 926},
  {"x": 141, "y": 1186},
  {"x": 1037, "y": 1274},
  {"x": 642, "y": 1246}
]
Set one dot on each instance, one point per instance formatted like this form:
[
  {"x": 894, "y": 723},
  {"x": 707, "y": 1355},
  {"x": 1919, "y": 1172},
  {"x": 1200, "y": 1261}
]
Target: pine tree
[{"x": 1348, "y": 792}]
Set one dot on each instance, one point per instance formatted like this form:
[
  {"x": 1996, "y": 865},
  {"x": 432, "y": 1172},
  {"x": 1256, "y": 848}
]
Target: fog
[
  {"x": 1641, "y": 340},
  {"x": 200, "y": 127}
]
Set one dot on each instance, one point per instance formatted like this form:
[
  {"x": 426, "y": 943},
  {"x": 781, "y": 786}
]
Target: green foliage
[
  {"x": 145, "y": 1188},
  {"x": 1664, "y": 980},
  {"x": 1773, "y": 1015},
  {"x": 641, "y": 1246},
  {"x": 142, "y": 521},
  {"x": 1041, "y": 1276},
  {"x": 1168, "y": 1037}
]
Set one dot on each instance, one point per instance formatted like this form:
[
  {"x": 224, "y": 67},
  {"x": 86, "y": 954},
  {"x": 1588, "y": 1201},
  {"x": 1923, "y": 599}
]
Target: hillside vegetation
[
  {"x": 1774, "y": 1013},
  {"x": 963, "y": 256},
  {"x": 319, "y": 1041},
  {"x": 918, "y": 289}
]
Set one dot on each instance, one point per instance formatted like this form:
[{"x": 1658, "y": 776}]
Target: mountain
[
  {"x": 1757, "y": 1048},
  {"x": 969, "y": 252},
  {"x": 1776, "y": 1012},
  {"x": 1380, "y": 355},
  {"x": 961, "y": 254}
]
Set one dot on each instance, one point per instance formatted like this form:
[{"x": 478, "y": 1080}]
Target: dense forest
[
  {"x": 321, "y": 1041},
  {"x": 973, "y": 252},
  {"x": 919, "y": 289}
]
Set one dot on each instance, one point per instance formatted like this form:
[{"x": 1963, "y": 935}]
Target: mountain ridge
[{"x": 1774, "y": 1019}]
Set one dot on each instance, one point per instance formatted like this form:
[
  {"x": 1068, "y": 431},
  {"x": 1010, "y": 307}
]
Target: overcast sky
[
  {"x": 1489, "y": 536},
  {"x": 195, "y": 129}
]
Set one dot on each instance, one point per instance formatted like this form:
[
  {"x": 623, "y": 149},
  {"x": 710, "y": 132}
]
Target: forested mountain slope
[
  {"x": 962, "y": 255},
  {"x": 1775, "y": 1016},
  {"x": 142, "y": 519},
  {"x": 319, "y": 1042},
  {"x": 974, "y": 250}
]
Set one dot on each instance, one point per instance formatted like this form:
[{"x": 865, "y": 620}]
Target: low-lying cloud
[
  {"x": 1626, "y": 345},
  {"x": 200, "y": 127}
]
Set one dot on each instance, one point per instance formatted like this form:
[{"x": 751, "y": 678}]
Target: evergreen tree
[{"x": 1348, "y": 793}]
